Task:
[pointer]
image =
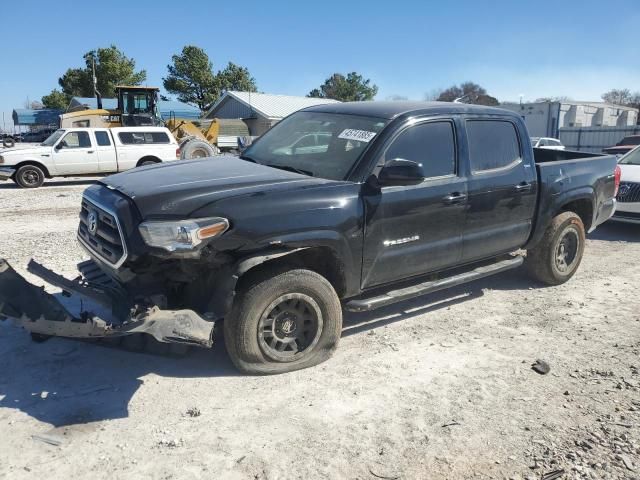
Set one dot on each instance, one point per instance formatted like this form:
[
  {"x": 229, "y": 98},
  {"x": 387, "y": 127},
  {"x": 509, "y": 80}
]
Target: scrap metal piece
[{"x": 39, "y": 312}]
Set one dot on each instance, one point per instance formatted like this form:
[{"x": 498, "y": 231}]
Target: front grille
[
  {"x": 105, "y": 238},
  {"x": 628, "y": 192}
]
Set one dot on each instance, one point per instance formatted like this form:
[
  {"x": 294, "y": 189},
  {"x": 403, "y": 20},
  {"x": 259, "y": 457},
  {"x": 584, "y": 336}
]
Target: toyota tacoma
[{"x": 389, "y": 201}]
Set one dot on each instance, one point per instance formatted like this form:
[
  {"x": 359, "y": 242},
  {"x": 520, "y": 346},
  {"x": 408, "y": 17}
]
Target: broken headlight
[{"x": 183, "y": 234}]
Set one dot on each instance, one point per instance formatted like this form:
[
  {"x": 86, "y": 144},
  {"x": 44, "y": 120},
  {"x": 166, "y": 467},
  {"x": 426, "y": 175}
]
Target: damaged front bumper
[{"x": 39, "y": 312}]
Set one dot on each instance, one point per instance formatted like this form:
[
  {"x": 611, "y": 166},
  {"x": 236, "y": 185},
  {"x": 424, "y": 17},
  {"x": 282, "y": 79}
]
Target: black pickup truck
[{"x": 344, "y": 206}]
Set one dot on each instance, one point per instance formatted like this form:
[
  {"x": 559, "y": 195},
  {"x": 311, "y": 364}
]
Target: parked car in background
[
  {"x": 87, "y": 151},
  {"x": 623, "y": 146},
  {"x": 547, "y": 142},
  {"x": 408, "y": 198},
  {"x": 36, "y": 137},
  {"x": 628, "y": 208}
]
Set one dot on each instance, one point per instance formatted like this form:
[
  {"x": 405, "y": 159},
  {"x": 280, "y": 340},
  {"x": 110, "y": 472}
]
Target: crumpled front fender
[{"x": 36, "y": 310}]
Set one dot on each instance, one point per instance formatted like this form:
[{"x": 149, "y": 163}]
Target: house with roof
[{"x": 260, "y": 111}]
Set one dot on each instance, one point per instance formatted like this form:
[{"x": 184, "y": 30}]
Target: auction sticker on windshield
[{"x": 359, "y": 135}]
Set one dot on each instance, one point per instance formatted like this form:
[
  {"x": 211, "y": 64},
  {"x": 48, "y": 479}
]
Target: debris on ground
[
  {"x": 541, "y": 367},
  {"x": 194, "y": 412},
  {"x": 171, "y": 443},
  {"x": 553, "y": 475},
  {"x": 50, "y": 438}
]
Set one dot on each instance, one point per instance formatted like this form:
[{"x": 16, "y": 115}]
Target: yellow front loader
[{"x": 138, "y": 106}]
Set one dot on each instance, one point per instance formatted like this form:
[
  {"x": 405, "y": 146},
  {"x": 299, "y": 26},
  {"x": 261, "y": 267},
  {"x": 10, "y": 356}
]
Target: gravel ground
[{"x": 438, "y": 387}]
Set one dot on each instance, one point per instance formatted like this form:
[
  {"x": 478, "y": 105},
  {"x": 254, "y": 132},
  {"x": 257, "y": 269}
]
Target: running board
[{"x": 393, "y": 296}]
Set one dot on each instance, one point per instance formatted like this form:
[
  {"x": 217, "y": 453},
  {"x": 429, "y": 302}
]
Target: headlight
[{"x": 181, "y": 235}]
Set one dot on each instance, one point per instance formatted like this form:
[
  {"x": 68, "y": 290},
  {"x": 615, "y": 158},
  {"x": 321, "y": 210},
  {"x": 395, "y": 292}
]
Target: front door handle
[
  {"x": 523, "y": 187},
  {"x": 90, "y": 151},
  {"x": 455, "y": 197}
]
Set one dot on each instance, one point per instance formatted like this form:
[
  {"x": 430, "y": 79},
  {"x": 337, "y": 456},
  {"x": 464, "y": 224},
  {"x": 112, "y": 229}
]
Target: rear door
[
  {"x": 75, "y": 154},
  {"x": 107, "y": 160},
  {"x": 412, "y": 230},
  {"x": 502, "y": 188}
]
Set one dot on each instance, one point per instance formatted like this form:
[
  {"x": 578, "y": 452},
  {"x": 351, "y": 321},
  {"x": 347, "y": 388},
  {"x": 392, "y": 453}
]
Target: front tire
[
  {"x": 283, "y": 323},
  {"x": 29, "y": 176},
  {"x": 557, "y": 256}
]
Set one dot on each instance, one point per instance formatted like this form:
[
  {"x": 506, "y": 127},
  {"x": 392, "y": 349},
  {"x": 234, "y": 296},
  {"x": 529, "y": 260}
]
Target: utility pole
[{"x": 95, "y": 83}]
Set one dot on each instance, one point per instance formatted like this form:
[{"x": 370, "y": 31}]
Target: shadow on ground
[
  {"x": 9, "y": 185},
  {"x": 67, "y": 382},
  {"x": 616, "y": 232}
]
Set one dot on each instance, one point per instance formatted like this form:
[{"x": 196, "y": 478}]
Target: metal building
[
  {"x": 44, "y": 117},
  {"x": 260, "y": 111},
  {"x": 594, "y": 139},
  {"x": 545, "y": 119}
]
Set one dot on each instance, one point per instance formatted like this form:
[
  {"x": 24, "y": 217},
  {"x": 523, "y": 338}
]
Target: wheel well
[
  {"x": 321, "y": 260},
  {"x": 148, "y": 158},
  {"x": 36, "y": 164},
  {"x": 583, "y": 208}
]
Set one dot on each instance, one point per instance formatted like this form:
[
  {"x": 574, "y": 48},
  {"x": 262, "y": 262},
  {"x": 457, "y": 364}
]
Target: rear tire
[
  {"x": 282, "y": 323},
  {"x": 29, "y": 176},
  {"x": 557, "y": 256}
]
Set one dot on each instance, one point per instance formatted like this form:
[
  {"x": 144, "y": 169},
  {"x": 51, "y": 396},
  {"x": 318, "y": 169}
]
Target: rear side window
[
  {"x": 432, "y": 144},
  {"x": 135, "y": 138},
  {"x": 103, "y": 139},
  {"x": 492, "y": 144}
]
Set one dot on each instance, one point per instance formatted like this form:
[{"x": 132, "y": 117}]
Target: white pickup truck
[{"x": 87, "y": 151}]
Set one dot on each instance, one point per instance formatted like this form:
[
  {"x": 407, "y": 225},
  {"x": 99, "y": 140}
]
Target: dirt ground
[{"x": 439, "y": 387}]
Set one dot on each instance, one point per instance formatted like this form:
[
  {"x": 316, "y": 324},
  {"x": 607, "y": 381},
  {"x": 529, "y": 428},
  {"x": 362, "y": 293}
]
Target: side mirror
[
  {"x": 58, "y": 146},
  {"x": 401, "y": 172}
]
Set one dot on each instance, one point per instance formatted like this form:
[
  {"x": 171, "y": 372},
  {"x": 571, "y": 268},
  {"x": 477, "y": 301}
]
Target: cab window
[
  {"x": 431, "y": 144},
  {"x": 493, "y": 144},
  {"x": 75, "y": 140},
  {"x": 102, "y": 137}
]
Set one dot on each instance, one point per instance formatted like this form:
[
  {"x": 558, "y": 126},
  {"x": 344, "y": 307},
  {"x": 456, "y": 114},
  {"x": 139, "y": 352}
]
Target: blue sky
[{"x": 576, "y": 48}]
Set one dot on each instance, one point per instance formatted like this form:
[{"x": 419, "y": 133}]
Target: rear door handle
[
  {"x": 523, "y": 187},
  {"x": 90, "y": 151},
  {"x": 455, "y": 197}
]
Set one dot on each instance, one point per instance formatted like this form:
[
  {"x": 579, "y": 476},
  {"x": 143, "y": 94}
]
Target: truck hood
[
  {"x": 15, "y": 152},
  {"x": 176, "y": 189}
]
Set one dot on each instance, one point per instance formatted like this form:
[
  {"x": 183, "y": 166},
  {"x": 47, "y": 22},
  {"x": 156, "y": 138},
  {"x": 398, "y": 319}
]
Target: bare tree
[{"x": 433, "y": 94}]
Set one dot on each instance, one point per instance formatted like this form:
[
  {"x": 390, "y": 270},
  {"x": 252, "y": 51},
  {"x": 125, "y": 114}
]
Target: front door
[
  {"x": 502, "y": 190},
  {"x": 74, "y": 154},
  {"x": 412, "y": 230}
]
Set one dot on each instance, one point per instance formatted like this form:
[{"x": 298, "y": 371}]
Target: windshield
[
  {"x": 325, "y": 145},
  {"x": 631, "y": 158},
  {"x": 53, "y": 138}
]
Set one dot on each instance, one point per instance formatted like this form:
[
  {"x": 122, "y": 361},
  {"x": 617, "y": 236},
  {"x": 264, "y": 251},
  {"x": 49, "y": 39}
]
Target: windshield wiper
[{"x": 290, "y": 169}]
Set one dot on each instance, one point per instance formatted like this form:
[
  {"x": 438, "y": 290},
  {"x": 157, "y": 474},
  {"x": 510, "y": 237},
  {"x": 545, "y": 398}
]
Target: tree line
[{"x": 193, "y": 80}]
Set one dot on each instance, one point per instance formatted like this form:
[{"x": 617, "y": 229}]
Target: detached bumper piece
[{"x": 37, "y": 311}]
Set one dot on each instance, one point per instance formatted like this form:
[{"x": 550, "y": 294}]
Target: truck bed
[{"x": 567, "y": 176}]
